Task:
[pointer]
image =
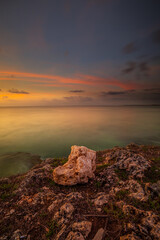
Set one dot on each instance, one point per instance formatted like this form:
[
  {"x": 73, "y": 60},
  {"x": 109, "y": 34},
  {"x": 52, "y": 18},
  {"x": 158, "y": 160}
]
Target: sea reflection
[{"x": 50, "y": 132}]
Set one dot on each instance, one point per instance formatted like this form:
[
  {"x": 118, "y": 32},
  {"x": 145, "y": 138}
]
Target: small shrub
[
  {"x": 43, "y": 214},
  {"x": 6, "y": 186},
  {"x": 98, "y": 184},
  {"x": 153, "y": 173},
  {"x": 53, "y": 229},
  {"x": 101, "y": 167},
  {"x": 122, "y": 194},
  {"x": 122, "y": 174},
  {"x": 51, "y": 182},
  {"x": 114, "y": 211},
  {"x": 4, "y": 196},
  {"x": 58, "y": 162}
]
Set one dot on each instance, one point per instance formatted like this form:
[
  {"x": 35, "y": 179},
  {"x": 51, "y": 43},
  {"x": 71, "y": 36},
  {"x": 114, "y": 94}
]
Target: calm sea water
[{"x": 51, "y": 131}]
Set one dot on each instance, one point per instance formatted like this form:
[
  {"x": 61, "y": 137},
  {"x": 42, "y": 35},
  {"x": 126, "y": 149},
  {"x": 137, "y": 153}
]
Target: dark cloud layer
[
  {"x": 18, "y": 91},
  {"x": 141, "y": 67},
  {"x": 77, "y": 91},
  {"x": 156, "y": 59},
  {"x": 112, "y": 93},
  {"x": 129, "y": 48},
  {"x": 152, "y": 91},
  {"x": 78, "y": 99},
  {"x": 156, "y": 36},
  {"x": 131, "y": 66}
]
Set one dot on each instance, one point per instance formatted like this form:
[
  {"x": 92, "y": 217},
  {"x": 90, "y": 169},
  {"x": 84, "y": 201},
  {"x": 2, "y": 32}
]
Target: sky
[{"x": 79, "y": 52}]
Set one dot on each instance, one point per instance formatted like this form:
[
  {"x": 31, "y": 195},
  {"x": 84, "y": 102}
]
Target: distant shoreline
[{"x": 68, "y": 106}]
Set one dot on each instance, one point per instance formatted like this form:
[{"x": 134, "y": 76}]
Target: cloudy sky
[{"x": 79, "y": 52}]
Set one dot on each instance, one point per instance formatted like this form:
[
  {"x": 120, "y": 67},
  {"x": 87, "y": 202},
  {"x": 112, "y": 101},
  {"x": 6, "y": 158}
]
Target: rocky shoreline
[{"x": 116, "y": 196}]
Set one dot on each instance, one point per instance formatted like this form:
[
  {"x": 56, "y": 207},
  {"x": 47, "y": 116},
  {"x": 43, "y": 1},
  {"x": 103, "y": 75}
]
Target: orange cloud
[
  {"x": 54, "y": 80},
  {"x": 110, "y": 81}
]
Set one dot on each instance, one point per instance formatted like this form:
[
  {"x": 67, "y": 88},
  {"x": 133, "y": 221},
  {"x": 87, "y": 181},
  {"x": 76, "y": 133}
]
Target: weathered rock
[
  {"x": 61, "y": 233},
  {"x": 74, "y": 196},
  {"x": 99, "y": 234},
  {"x": 64, "y": 213},
  {"x": 34, "y": 178},
  {"x": 155, "y": 188},
  {"x": 152, "y": 222},
  {"x": 102, "y": 198},
  {"x": 16, "y": 235},
  {"x": 155, "y": 232},
  {"x": 150, "y": 219},
  {"x": 132, "y": 211},
  {"x": 107, "y": 177},
  {"x": 136, "y": 190},
  {"x": 133, "y": 163},
  {"x": 54, "y": 205},
  {"x": 4, "y": 238},
  {"x": 83, "y": 227},
  {"x": 75, "y": 236},
  {"x": 131, "y": 236},
  {"x": 67, "y": 210},
  {"x": 79, "y": 168}
]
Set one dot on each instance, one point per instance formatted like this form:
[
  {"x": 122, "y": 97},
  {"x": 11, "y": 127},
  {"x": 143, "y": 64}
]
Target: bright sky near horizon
[{"x": 83, "y": 52}]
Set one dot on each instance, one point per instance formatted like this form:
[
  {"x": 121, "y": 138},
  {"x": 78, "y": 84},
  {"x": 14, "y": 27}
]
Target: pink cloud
[{"x": 54, "y": 80}]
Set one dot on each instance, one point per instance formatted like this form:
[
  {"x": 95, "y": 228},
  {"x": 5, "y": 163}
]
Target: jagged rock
[
  {"x": 16, "y": 235},
  {"x": 74, "y": 196},
  {"x": 150, "y": 219},
  {"x": 155, "y": 232},
  {"x": 75, "y": 236},
  {"x": 64, "y": 213},
  {"x": 36, "y": 199},
  {"x": 79, "y": 168},
  {"x": 102, "y": 198},
  {"x": 133, "y": 163},
  {"x": 136, "y": 190},
  {"x": 152, "y": 222},
  {"x": 131, "y": 236},
  {"x": 99, "y": 234},
  {"x": 4, "y": 238},
  {"x": 107, "y": 177},
  {"x": 54, "y": 205},
  {"x": 83, "y": 227},
  {"x": 67, "y": 210},
  {"x": 143, "y": 231},
  {"x": 133, "y": 211},
  {"x": 132, "y": 146},
  {"x": 34, "y": 178},
  {"x": 154, "y": 188},
  {"x": 61, "y": 233}
]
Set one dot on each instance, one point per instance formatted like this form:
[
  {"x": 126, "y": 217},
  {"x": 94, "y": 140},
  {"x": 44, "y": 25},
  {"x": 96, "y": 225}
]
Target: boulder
[{"x": 79, "y": 168}]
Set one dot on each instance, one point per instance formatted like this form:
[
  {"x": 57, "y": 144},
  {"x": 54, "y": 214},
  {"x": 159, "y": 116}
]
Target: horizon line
[{"x": 122, "y": 105}]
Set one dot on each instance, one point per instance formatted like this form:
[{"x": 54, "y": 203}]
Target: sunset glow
[{"x": 79, "y": 55}]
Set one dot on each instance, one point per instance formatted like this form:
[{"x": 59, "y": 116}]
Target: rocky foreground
[{"x": 111, "y": 194}]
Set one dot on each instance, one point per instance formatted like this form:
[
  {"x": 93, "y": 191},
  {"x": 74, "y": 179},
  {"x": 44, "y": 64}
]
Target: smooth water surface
[{"x": 51, "y": 131}]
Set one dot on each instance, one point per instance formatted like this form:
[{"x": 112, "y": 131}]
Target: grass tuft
[
  {"x": 53, "y": 229},
  {"x": 122, "y": 174}
]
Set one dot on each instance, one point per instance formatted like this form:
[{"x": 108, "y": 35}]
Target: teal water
[{"x": 51, "y": 131}]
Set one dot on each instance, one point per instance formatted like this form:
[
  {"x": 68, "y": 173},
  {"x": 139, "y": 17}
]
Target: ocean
[{"x": 51, "y": 131}]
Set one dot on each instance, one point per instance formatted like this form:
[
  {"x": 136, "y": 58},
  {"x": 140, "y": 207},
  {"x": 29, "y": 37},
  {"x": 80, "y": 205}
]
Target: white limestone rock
[{"x": 79, "y": 168}]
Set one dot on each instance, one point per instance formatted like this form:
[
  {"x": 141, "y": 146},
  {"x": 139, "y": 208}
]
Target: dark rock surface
[{"x": 121, "y": 202}]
